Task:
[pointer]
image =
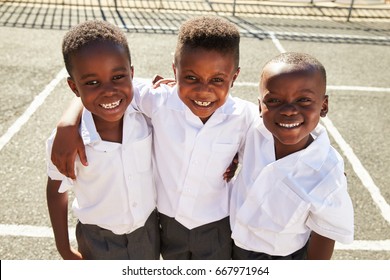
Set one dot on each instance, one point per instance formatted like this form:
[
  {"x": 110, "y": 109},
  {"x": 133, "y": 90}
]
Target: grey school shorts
[
  {"x": 207, "y": 242},
  {"x": 96, "y": 243}
]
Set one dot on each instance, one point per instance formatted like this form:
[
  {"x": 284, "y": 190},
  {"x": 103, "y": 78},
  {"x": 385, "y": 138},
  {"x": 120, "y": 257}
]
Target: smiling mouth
[
  {"x": 289, "y": 125},
  {"x": 111, "y": 105},
  {"x": 202, "y": 103}
]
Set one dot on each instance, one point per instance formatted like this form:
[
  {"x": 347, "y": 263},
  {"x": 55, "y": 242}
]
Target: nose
[
  {"x": 109, "y": 88},
  {"x": 288, "y": 109},
  {"x": 204, "y": 87}
]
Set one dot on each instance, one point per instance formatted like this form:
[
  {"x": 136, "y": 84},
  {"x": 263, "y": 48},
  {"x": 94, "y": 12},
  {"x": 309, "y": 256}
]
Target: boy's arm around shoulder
[
  {"x": 147, "y": 98},
  {"x": 57, "y": 203},
  {"x": 67, "y": 143}
]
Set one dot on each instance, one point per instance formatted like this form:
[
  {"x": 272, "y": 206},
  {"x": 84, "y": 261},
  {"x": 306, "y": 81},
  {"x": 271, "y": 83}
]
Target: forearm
[
  {"x": 58, "y": 211},
  {"x": 320, "y": 247},
  {"x": 67, "y": 141},
  {"x": 72, "y": 114}
]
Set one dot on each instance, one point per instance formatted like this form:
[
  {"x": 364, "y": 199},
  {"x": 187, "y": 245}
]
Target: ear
[
  {"x": 174, "y": 70},
  {"x": 259, "y": 99},
  {"x": 132, "y": 71},
  {"x": 73, "y": 86},
  {"x": 235, "y": 76},
  {"x": 324, "y": 108}
]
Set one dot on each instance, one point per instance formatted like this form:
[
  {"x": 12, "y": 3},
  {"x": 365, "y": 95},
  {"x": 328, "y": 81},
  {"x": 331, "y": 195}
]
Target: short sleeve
[
  {"x": 147, "y": 99},
  {"x": 52, "y": 170},
  {"x": 334, "y": 218}
]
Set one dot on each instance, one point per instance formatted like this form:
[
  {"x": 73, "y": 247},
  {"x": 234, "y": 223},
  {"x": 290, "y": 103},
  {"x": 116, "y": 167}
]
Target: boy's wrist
[{"x": 66, "y": 124}]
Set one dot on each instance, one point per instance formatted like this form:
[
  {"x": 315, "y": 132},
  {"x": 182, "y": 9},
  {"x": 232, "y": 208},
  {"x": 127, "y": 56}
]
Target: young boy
[
  {"x": 115, "y": 197},
  {"x": 198, "y": 129},
  {"x": 290, "y": 200}
]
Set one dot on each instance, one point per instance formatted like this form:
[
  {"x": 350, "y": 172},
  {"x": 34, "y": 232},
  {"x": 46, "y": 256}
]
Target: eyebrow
[
  {"x": 92, "y": 75},
  {"x": 306, "y": 90}
]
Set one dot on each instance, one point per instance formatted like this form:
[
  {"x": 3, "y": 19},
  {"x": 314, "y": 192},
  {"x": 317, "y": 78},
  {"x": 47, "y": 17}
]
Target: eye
[
  {"x": 271, "y": 101},
  {"x": 190, "y": 78},
  {"x": 118, "y": 77},
  {"x": 304, "y": 100},
  {"x": 217, "y": 80},
  {"x": 92, "y": 83}
]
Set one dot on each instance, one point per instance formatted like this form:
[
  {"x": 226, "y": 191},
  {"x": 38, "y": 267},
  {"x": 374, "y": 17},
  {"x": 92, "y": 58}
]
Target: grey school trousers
[
  {"x": 208, "y": 242},
  {"x": 96, "y": 243}
]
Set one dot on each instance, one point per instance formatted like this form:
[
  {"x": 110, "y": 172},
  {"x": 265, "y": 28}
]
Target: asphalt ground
[{"x": 34, "y": 94}]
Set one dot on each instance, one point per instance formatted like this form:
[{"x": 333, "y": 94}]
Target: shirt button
[
  {"x": 130, "y": 177},
  {"x": 134, "y": 204}
]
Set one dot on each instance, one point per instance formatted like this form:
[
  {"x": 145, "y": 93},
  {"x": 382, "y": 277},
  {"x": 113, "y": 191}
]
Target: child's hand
[
  {"x": 71, "y": 254},
  {"x": 231, "y": 170},
  {"x": 159, "y": 80},
  {"x": 67, "y": 144}
]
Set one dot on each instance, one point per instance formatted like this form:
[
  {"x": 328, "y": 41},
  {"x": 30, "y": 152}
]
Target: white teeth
[
  {"x": 289, "y": 125},
  {"x": 204, "y": 104},
  {"x": 111, "y": 105}
]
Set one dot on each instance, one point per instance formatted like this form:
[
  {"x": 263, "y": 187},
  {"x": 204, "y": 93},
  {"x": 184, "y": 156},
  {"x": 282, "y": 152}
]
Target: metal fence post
[
  {"x": 350, "y": 9},
  {"x": 234, "y": 7}
]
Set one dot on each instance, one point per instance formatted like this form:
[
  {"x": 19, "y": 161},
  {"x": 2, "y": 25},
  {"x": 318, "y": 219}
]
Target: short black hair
[
  {"x": 89, "y": 32},
  {"x": 301, "y": 61},
  {"x": 210, "y": 33}
]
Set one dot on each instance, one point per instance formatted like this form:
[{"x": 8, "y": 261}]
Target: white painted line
[
  {"x": 359, "y": 169},
  {"x": 276, "y": 42},
  {"x": 318, "y": 35},
  {"x": 47, "y": 232},
  {"x": 38, "y": 101},
  {"x": 31, "y": 231},
  {"x": 358, "y": 88},
  {"x": 365, "y": 245}
]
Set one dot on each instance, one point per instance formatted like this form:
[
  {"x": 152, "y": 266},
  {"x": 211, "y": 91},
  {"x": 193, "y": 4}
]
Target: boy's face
[
  {"x": 291, "y": 103},
  {"x": 204, "y": 78},
  {"x": 102, "y": 78}
]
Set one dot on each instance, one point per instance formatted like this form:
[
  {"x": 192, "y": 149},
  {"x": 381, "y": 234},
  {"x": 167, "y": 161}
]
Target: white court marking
[
  {"x": 37, "y": 102},
  {"x": 47, "y": 232}
]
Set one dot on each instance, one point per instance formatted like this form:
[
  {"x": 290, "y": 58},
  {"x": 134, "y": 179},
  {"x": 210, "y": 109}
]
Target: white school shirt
[
  {"x": 276, "y": 204},
  {"x": 191, "y": 157},
  {"x": 116, "y": 190}
]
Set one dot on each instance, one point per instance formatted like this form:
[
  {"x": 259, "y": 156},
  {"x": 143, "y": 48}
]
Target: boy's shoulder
[{"x": 237, "y": 105}]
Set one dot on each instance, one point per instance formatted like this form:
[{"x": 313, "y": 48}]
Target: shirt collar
[
  {"x": 88, "y": 131},
  {"x": 319, "y": 147}
]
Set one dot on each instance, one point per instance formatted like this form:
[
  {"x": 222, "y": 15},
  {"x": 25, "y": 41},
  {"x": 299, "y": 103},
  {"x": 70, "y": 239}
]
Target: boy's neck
[
  {"x": 283, "y": 150},
  {"x": 109, "y": 131}
]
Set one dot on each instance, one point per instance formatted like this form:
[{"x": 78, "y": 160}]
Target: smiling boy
[
  {"x": 115, "y": 197},
  {"x": 198, "y": 129},
  {"x": 290, "y": 200}
]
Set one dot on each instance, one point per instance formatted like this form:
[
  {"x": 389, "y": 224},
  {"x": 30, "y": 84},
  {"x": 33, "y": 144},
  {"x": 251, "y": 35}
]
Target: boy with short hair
[
  {"x": 198, "y": 129},
  {"x": 115, "y": 197},
  {"x": 290, "y": 199}
]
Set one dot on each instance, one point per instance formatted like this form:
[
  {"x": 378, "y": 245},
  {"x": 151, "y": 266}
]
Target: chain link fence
[{"x": 337, "y": 9}]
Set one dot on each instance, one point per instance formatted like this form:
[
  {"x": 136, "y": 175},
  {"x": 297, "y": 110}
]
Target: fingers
[
  {"x": 82, "y": 155},
  {"x": 168, "y": 81},
  {"x": 156, "y": 78}
]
